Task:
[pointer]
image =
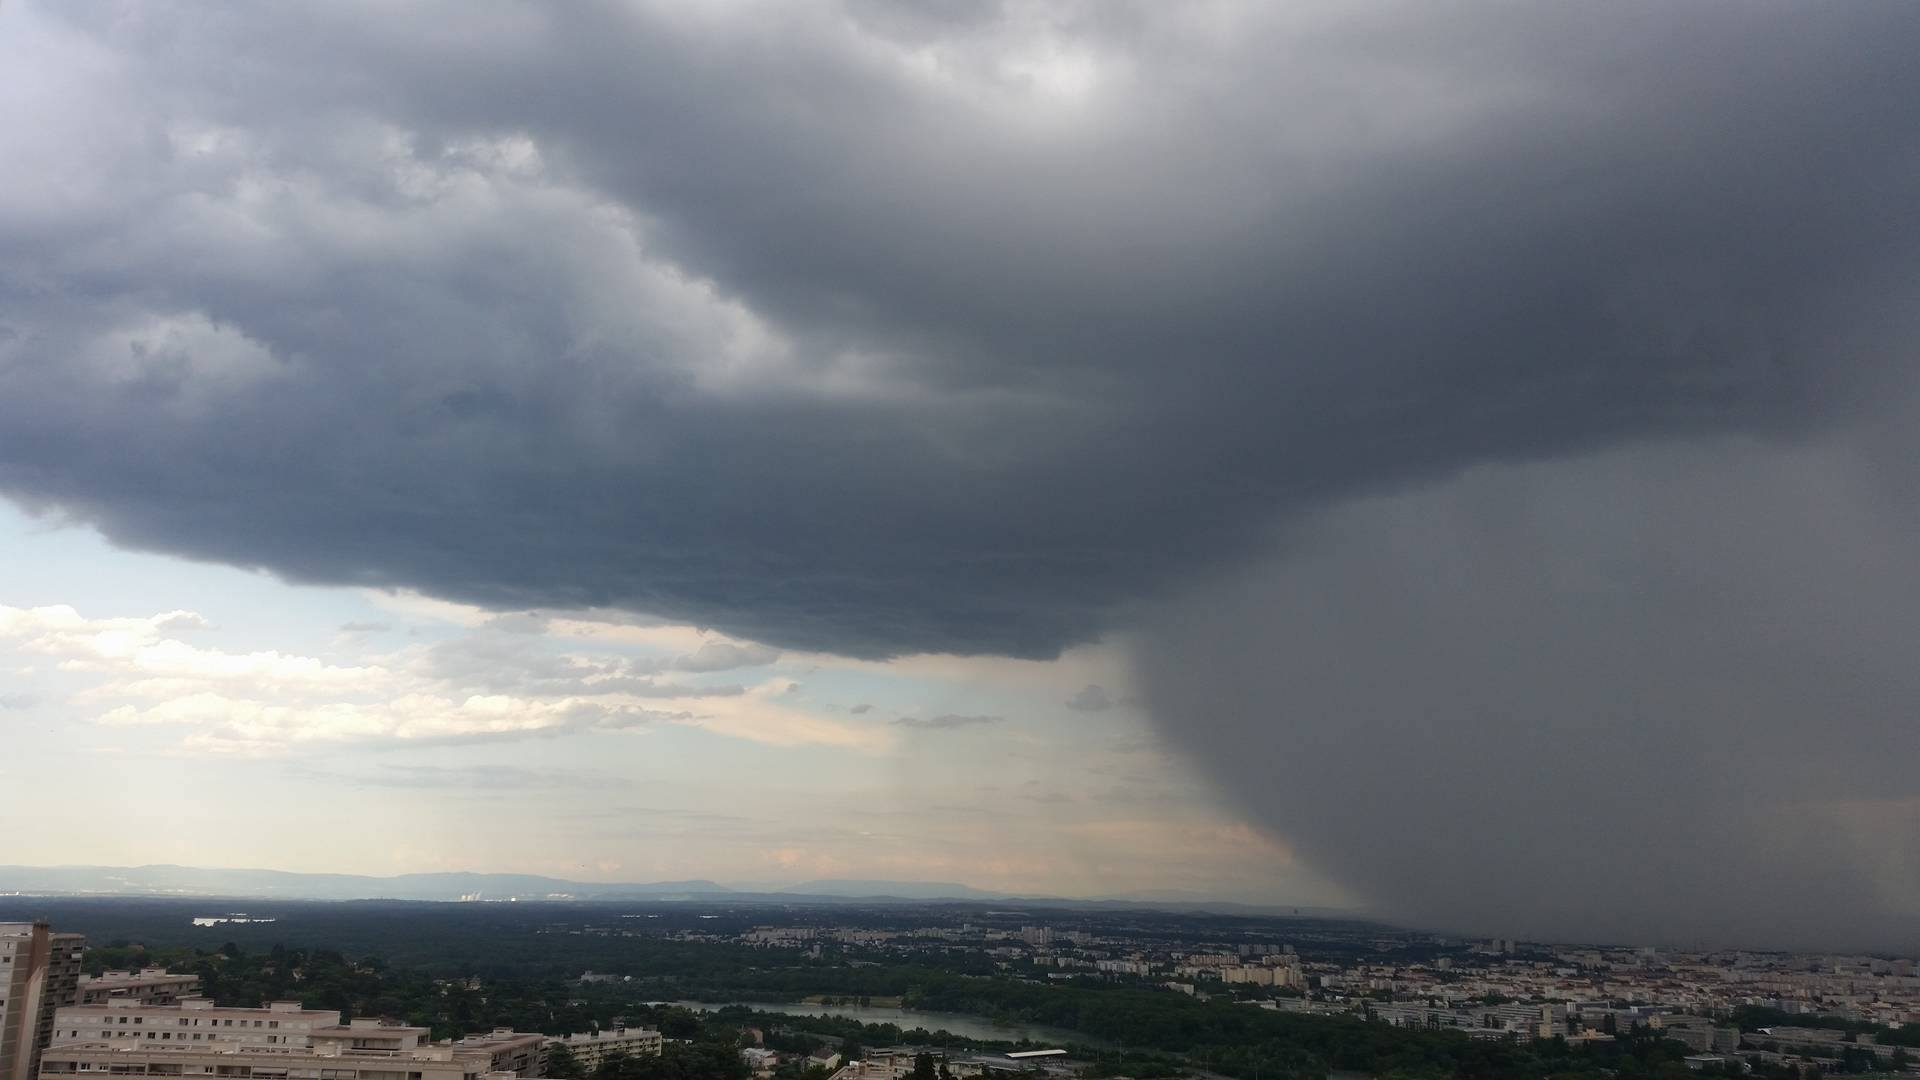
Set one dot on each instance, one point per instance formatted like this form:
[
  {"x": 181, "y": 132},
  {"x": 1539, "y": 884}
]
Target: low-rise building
[
  {"x": 148, "y": 986},
  {"x": 366, "y": 1035},
  {"x": 886, "y": 1065}
]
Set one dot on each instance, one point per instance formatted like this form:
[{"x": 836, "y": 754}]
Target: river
[{"x": 972, "y": 1027}]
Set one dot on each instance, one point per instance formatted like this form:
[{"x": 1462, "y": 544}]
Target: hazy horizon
[{"x": 814, "y": 886}]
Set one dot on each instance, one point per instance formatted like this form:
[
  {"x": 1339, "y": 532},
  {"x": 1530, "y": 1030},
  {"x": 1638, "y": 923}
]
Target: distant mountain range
[
  {"x": 167, "y": 880},
  {"x": 905, "y": 890},
  {"x": 190, "y": 881}
]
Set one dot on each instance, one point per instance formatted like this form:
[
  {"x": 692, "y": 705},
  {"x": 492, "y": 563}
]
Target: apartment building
[
  {"x": 148, "y": 986},
  {"x": 127, "y": 1022},
  {"x": 590, "y": 1048},
  {"x": 39, "y": 973},
  {"x": 284, "y": 1027},
  {"x": 1517, "y": 1020},
  {"x": 1699, "y": 1033},
  {"x": 198, "y": 1039},
  {"x": 508, "y": 1051},
  {"x": 328, "y": 1059},
  {"x": 1280, "y": 975}
]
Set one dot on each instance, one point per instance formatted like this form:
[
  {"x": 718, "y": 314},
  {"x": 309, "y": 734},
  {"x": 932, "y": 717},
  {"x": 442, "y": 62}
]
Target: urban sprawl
[{"x": 1731, "y": 1011}]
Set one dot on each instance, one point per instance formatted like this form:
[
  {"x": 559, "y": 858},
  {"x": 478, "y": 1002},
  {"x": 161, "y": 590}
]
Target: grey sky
[{"x": 874, "y": 330}]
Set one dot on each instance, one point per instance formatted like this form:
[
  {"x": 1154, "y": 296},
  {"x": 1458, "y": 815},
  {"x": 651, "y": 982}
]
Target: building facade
[
  {"x": 330, "y": 1061},
  {"x": 313, "y": 1045},
  {"x": 148, "y": 986},
  {"x": 508, "y": 1051},
  {"x": 39, "y": 973},
  {"x": 590, "y": 1048},
  {"x": 194, "y": 1021}
]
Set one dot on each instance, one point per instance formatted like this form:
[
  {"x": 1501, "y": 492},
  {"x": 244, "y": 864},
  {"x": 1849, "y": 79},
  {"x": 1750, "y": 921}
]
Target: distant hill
[
  {"x": 854, "y": 888},
  {"x": 243, "y": 884}
]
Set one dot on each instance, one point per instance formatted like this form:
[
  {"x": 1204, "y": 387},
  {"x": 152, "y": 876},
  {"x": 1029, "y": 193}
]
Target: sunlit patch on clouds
[
  {"x": 500, "y": 679},
  {"x": 473, "y": 710}
]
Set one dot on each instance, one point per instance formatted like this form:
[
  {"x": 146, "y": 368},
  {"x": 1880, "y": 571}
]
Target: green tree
[
  {"x": 563, "y": 1065},
  {"x": 680, "y": 1024}
]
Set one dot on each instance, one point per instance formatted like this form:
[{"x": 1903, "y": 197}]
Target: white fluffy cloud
[{"x": 499, "y": 680}]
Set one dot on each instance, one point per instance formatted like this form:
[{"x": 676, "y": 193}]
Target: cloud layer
[
  {"x": 888, "y": 332},
  {"x": 499, "y": 682},
  {"x": 946, "y": 721}
]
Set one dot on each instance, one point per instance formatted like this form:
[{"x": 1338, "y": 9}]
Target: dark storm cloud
[
  {"x": 883, "y": 328},
  {"x": 766, "y": 322},
  {"x": 1664, "y": 692}
]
